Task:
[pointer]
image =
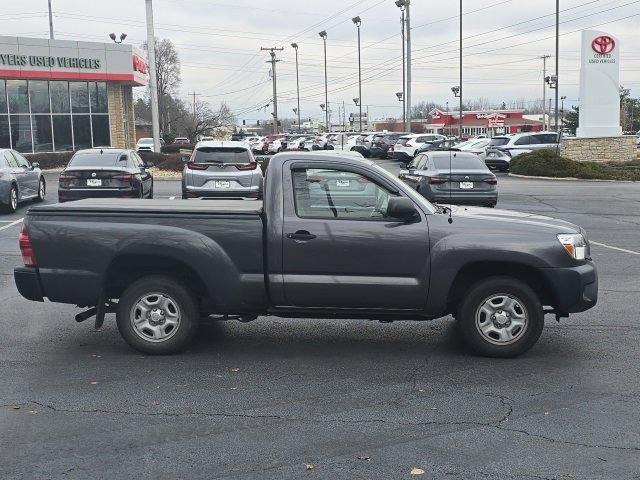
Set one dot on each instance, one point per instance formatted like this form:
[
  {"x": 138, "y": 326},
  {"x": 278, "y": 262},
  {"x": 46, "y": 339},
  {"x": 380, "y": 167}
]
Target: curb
[{"x": 570, "y": 179}]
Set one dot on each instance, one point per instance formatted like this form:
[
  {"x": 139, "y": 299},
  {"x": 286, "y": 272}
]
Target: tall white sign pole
[
  {"x": 151, "y": 49},
  {"x": 599, "y": 86}
]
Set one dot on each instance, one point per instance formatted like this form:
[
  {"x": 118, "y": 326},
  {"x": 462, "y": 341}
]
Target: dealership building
[{"x": 59, "y": 95}]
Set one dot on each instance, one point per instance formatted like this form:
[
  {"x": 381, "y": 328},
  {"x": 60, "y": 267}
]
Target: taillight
[
  {"x": 437, "y": 180},
  {"x": 28, "y": 257},
  {"x": 197, "y": 166},
  {"x": 247, "y": 166},
  {"x": 491, "y": 181},
  {"x": 125, "y": 177}
]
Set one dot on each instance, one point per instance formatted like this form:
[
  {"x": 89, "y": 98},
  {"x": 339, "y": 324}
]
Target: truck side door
[{"x": 340, "y": 250}]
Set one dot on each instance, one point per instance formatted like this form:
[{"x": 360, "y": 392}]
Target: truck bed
[{"x": 160, "y": 206}]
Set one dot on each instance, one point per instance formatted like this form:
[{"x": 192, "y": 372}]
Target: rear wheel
[
  {"x": 157, "y": 315},
  {"x": 12, "y": 201},
  {"x": 500, "y": 317}
]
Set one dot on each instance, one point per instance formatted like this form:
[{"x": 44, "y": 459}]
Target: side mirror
[
  {"x": 403, "y": 209},
  {"x": 35, "y": 165}
]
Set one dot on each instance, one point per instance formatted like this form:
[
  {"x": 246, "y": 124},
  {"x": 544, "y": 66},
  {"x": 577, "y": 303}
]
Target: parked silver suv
[
  {"x": 502, "y": 149},
  {"x": 218, "y": 169},
  {"x": 19, "y": 180}
]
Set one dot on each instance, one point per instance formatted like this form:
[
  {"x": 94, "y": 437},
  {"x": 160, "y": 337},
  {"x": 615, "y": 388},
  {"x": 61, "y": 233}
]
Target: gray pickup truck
[{"x": 334, "y": 237}]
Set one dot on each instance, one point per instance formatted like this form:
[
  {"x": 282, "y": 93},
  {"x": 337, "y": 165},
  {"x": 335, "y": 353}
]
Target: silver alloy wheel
[
  {"x": 502, "y": 319},
  {"x": 42, "y": 190},
  {"x": 14, "y": 198},
  {"x": 155, "y": 317}
]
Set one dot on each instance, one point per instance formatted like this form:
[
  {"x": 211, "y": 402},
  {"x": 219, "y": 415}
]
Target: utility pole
[
  {"x": 544, "y": 91},
  {"x": 408, "y": 19},
  {"x": 153, "y": 81},
  {"x": 358, "y": 21},
  {"x": 50, "y": 22},
  {"x": 272, "y": 51},
  {"x": 557, "y": 57},
  {"x": 404, "y": 74},
  {"x": 323, "y": 35},
  {"x": 295, "y": 47},
  {"x": 460, "y": 70}
]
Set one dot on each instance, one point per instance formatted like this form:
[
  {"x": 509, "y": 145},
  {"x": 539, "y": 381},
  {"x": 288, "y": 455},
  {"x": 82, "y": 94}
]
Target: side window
[
  {"x": 424, "y": 161},
  {"x": 21, "y": 161},
  {"x": 546, "y": 138},
  {"x": 526, "y": 140},
  {"x": 9, "y": 159},
  {"x": 422, "y": 139},
  {"x": 415, "y": 162},
  {"x": 338, "y": 194}
]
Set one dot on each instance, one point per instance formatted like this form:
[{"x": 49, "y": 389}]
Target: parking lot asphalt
[{"x": 333, "y": 399}]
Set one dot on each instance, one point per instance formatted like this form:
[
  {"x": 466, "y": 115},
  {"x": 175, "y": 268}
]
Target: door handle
[{"x": 301, "y": 235}]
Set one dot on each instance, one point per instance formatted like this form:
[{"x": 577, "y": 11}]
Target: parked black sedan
[
  {"x": 105, "y": 173},
  {"x": 454, "y": 177}
]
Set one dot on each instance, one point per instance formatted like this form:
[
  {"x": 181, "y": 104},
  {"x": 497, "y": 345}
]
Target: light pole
[
  {"x": 153, "y": 80},
  {"x": 544, "y": 90},
  {"x": 557, "y": 56},
  {"x": 323, "y": 35},
  {"x": 460, "y": 84},
  {"x": 562, "y": 99},
  {"x": 112, "y": 36},
  {"x": 400, "y": 96},
  {"x": 50, "y": 22},
  {"x": 457, "y": 92},
  {"x": 295, "y": 47},
  {"x": 358, "y": 21},
  {"x": 401, "y": 5},
  {"x": 552, "y": 80}
]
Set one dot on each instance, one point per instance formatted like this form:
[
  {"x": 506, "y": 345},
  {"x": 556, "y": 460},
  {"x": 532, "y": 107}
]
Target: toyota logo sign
[{"x": 603, "y": 44}]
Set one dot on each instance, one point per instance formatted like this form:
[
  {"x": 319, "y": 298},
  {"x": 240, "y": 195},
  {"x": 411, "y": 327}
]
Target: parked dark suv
[{"x": 382, "y": 143}]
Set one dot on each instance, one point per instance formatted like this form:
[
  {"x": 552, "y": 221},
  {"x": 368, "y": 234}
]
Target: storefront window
[
  {"x": 81, "y": 131},
  {"x": 98, "y": 91},
  {"x": 39, "y": 96},
  {"x": 42, "y": 140},
  {"x": 59, "y": 97},
  {"x": 101, "y": 136},
  {"x": 21, "y": 132},
  {"x": 62, "y": 133},
  {"x": 4, "y": 132},
  {"x": 79, "y": 97},
  {"x": 18, "y": 98},
  {"x": 3, "y": 98}
]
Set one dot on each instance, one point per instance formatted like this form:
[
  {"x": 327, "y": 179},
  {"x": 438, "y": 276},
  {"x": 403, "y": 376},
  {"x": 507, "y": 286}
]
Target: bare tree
[
  {"x": 168, "y": 78},
  {"x": 209, "y": 122}
]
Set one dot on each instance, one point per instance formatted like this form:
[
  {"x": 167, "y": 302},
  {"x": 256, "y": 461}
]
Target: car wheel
[
  {"x": 12, "y": 201},
  {"x": 157, "y": 315},
  {"x": 500, "y": 317},
  {"x": 42, "y": 190}
]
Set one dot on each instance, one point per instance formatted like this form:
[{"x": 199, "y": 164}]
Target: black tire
[
  {"x": 42, "y": 189},
  {"x": 183, "y": 300},
  {"x": 476, "y": 296},
  {"x": 10, "y": 206}
]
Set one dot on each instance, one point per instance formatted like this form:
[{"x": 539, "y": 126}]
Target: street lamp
[
  {"x": 456, "y": 91},
  {"x": 295, "y": 47},
  {"x": 112, "y": 36},
  {"x": 562, "y": 99},
  {"x": 402, "y": 4},
  {"x": 356, "y": 101},
  {"x": 323, "y": 35},
  {"x": 357, "y": 22},
  {"x": 400, "y": 96}
]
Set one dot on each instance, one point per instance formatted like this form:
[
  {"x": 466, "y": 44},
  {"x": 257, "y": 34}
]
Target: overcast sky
[{"x": 219, "y": 45}]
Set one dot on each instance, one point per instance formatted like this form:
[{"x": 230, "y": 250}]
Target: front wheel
[
  {"x": 157, "y": 315},
  {"x": 42, "y": 189},
  {"x": 12, "y": 201},
  {"x": 500, "y": 317}
]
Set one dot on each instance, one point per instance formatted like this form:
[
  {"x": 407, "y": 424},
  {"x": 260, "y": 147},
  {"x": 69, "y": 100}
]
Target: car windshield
[
  {"x": 497, "y": 141},
  {"x": 106, "y": 159},
  {"x": 225, "y": 155},
  {"x": 145, "y": 141},
  {"x": 459, "y": 162}
]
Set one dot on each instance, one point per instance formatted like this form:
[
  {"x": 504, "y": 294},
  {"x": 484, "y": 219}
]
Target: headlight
[{"x": 575, "y": 245}]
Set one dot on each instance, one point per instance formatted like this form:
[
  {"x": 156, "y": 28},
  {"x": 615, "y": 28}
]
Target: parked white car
[
  {"x": 407, "y": 145},
  {"x": 475, "y": 146},
  {"x": 298, "y": 142},
  {"x": 344, "y": 141},
  {"x": 146, "y": 145}
]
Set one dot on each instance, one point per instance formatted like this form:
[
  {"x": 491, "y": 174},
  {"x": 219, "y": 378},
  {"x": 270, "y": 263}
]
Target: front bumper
[
  {"x": 574, "y": 289},
  {"x": 28, "y": 283},
  {"x": 500, "y": 162}
]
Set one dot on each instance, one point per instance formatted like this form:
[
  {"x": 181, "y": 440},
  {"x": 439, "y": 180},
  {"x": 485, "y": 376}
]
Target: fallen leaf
[
  {"x": 16, "y": 407},
  {"x": 417, "y": 471},
  {"x": 309, "y": 466},
  {"x": 235, "y": 369},
  {"x": 364, "y": 457},
  {"x": 94, "y": 383}
]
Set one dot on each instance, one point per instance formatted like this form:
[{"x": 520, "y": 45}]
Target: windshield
[
  {"x": 145, "y": 141},
  {"x": 497, "y": 141},
  {"x": 107, "y": 159},
  {"x": 223, "y": 155},
  {"x": 459, "y": 162}
]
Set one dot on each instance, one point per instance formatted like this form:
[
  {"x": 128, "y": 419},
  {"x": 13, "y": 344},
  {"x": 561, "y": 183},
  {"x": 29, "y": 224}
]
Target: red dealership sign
[
  {"x": 139, "y": 65},
  {"x": 603, "y": 44}
]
